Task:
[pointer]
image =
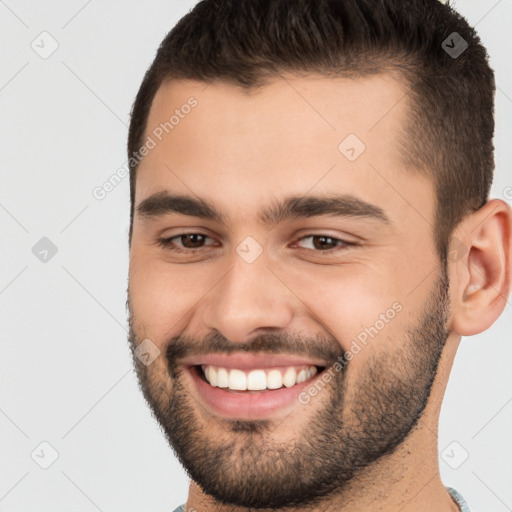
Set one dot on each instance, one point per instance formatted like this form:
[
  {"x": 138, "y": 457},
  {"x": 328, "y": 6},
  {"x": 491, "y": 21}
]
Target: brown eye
[
  {"x": 192, "y": 240},
  {"x": 184, "y": 242},
  {"x": 324, "y": 243}
]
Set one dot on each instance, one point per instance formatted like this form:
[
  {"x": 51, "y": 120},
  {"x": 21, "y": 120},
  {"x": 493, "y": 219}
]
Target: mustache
[{"x": 316, "y": 347}]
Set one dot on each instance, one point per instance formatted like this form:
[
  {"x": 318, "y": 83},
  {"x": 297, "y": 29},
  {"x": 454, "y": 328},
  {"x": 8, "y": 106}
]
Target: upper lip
[{"x": 244, "y": 361}]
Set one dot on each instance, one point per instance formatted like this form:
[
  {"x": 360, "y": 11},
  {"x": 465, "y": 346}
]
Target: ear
[{"x": 479, "y": 258}]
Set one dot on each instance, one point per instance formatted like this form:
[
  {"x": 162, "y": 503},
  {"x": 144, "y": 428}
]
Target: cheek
[
  {"x": 354, "y": 302},
  {"x": 163, "y": 297}
]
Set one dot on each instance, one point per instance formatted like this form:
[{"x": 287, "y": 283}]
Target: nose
[{"x": 249, "y": 298}]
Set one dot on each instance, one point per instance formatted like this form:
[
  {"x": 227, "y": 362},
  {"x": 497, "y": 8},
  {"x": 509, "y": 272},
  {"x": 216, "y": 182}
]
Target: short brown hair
[{"x": 451, "y": 123}]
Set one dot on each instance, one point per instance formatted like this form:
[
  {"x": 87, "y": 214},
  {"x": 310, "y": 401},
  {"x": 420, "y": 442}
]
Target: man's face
[{"x": 282, "y": 293}]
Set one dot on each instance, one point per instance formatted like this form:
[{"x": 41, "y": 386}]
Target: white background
[{"x": 65, "y": 369}]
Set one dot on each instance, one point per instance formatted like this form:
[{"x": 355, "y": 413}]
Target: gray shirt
[{"x": 455, "y": 495}]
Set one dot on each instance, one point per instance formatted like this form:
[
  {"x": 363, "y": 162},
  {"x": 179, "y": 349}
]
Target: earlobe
[{"x": 481, "y": 280}]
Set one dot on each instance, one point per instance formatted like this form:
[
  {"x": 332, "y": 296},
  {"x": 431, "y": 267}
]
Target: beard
[{"x": 361, "y": 420}]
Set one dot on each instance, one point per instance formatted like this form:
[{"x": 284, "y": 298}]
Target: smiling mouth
[{"x": 255, "y": 380}]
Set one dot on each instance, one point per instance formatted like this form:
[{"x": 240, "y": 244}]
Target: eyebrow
[{"x": 162, "y": 203}]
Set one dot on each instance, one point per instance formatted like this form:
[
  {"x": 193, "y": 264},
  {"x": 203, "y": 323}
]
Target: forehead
[
  {"x": 283, "y": 115},
  {"x": 293, "y": 136}
]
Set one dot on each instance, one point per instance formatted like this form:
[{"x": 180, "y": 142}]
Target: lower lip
[{"x": 248, "y": 405}]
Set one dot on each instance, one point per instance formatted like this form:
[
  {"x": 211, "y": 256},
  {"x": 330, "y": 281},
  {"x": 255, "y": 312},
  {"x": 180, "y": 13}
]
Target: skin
[{"x": 239, "y": 151}]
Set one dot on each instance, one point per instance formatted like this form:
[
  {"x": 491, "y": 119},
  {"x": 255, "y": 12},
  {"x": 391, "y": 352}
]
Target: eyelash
[{"x": 167, "y": 243}]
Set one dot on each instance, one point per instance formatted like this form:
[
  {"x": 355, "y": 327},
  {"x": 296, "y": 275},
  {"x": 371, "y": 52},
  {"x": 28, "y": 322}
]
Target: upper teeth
[{"x": 269, "y": 378}]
